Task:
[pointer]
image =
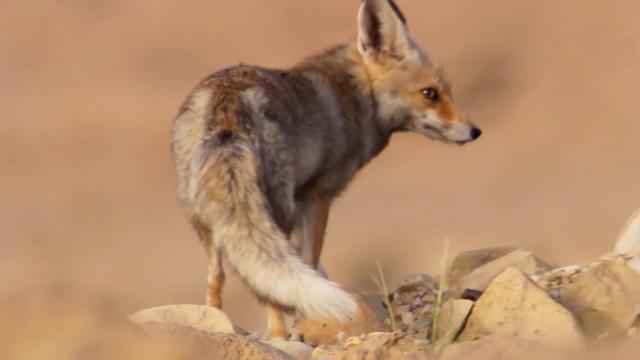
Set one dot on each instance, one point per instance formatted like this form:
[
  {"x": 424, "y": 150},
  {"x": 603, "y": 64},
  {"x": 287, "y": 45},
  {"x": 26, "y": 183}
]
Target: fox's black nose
[{"x": 475, "y": 133}]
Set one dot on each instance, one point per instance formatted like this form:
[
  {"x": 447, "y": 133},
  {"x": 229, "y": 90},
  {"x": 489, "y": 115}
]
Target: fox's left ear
[{"x": 383, "y": 31}]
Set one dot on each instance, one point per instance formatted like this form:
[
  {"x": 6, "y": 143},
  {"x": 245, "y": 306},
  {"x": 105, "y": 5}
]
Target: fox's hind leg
[
  {"x": 215, "y": 279},
  {"x": 321, "y": 217},
  {"x": 276, "y": 323},
  {"x": 312, "y": 215}
]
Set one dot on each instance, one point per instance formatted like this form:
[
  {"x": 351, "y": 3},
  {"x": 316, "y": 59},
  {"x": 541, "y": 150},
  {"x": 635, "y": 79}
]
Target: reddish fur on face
[
  {"x": 408, "y": 80},
  {"x": 444, "y": 107}
]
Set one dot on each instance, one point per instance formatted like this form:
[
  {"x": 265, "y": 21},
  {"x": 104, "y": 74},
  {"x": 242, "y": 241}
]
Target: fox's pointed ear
[{"x": 382, "y": 30}]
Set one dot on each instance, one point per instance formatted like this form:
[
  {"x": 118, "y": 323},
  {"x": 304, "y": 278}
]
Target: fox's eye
[{"x": 430, "y": 93}]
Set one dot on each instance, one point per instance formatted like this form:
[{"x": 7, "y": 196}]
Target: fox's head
[{"x": 412, "y": 94}]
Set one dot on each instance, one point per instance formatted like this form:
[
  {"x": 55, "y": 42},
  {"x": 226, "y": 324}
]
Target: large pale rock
[
  {"x": 629, "y": 238},
  {"x": 474, "y": 270},
  {"x": 369, "y": 318},
  {"x": 219, "y": 346},
  {"x": 512, "y": 348},
  {"x": 605, "y": 298},
  {"x": 494, "y": 347},
  {"x": 451, "y": 320},
  {"x": 200, "y": 317},
  {"x": 513, "y": 305}
]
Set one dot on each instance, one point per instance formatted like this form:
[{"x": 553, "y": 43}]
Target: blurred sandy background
[{"x": 88, "y": 90}]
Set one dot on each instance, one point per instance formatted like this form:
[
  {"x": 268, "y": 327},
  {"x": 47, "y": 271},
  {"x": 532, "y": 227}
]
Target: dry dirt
[{"x": 88, "y": 90}]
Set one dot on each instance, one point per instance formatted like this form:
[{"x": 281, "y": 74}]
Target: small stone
[
  {"x": 325, "y": 352},
  {"x": 402, "y": 309},
  {"x": 385, "y": 346},
  {"x": 470, "y": 294},
  {"x": 430, "y": 298},
  {"x": 422, "y": 326},
  {"x": 554, "y": 280},
  {"x": 513, "y": 305},
  {"x": 407, "y": 318},
  {"x": 418, "y": 282},
  {"x": 200, "y": 317},
  {"x": 297, "y": 350},
  {"x": 427, "y": 309}
]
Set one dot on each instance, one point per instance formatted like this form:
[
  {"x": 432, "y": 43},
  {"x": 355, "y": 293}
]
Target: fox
[{"x": 261, "y": 154}]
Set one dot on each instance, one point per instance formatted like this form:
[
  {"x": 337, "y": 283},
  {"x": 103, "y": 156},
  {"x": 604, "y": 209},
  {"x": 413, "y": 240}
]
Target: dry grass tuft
[{"x": 381, "y": 283}]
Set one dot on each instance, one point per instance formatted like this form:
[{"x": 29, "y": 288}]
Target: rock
[
  {"x": 368, "y": 319},
  {"x": 325, "y": 352},
  {"x": 200, "y": 317},
  {"x": 412, "y": 305},
  {"x": 634, "y": 264},
  {"x": 629, "y": 238},
  {"x": 419, "y": 282},
  {"x": 470, "y": 294},
  {"x": 240, "y": 331},
  {"x": 466, "y": 262},
  {"x": 555, "y": 280},
  {"x": 375, "y": 304},
  {"x": 494, "y": 347},
  {"x": 219, "y": 346},
  {"x": 297, "y": 350},
  {"x": 479, "y": 277},
  {"x": 451, "y": 320},
  {"x": 513, "y": 305},
  {"x": 605, "y": 298},
  {"x": 379, "y": 346}
]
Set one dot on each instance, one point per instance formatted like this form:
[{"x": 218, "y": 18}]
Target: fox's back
[{"x": 291, "y": 119}]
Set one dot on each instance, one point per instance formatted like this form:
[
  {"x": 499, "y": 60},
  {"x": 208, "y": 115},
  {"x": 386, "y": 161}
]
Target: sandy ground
[{"x": 88, "y": 90}]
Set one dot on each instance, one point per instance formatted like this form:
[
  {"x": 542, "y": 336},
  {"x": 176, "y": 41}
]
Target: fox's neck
[{"x": 343, "y": 68}]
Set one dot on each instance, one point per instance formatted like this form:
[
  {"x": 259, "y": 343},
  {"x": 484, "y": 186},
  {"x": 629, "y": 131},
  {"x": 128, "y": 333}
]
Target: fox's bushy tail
[{"x": 229, "y": 198}]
